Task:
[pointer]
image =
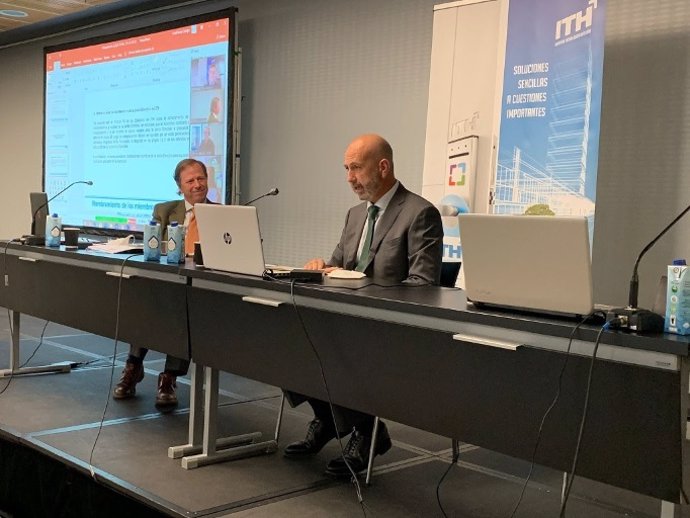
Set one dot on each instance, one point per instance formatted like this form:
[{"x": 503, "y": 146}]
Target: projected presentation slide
[{"x": 123, "y": 113}]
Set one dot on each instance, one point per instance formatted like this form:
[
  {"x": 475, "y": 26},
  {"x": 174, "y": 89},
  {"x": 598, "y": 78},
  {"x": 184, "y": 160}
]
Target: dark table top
[{"x": 432, "y": 301}]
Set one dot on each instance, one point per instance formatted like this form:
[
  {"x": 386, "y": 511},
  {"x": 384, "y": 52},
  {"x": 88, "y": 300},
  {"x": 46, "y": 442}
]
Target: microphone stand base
[{"x": 636, "y": 319}]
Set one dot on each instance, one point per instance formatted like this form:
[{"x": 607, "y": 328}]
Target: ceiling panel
[{"x": 40, "y": 10}]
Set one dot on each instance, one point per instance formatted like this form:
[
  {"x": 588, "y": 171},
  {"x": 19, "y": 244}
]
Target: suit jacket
[
  {"x": 408, "y": 241},
  {"x": 168, "y": 211}
]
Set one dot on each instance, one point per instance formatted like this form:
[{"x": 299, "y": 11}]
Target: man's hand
[
  {"x": 320, "y": 264},
  {"x": 315, "y": 264}
]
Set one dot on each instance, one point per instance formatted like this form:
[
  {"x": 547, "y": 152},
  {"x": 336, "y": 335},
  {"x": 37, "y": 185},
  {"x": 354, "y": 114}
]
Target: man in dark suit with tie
[
  {"x": 394, "y": 237},
  {"x": 192, "y": 180}
]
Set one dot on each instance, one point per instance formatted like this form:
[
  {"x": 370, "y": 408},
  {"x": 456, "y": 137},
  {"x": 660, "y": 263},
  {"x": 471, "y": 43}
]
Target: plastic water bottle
[
  {"x": 678, "y": 298},
  {"x": 175, "y": 243},
  {"x": 152, "y": 241},
  {"x": 53, "y": 230}
]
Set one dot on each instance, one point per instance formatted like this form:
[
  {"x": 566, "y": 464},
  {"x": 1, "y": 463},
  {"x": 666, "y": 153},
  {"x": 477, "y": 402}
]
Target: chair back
[{"x": 449, "y": 273}]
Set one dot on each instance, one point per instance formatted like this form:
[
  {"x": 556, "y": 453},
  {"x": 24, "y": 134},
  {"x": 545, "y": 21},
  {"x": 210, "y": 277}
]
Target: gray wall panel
[
  {"x": 644, "y": 160},
  {"x": 316, "y": 74}
]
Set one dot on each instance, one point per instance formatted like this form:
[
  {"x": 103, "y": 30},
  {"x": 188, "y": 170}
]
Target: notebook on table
[{"x": 535, "y": 263}]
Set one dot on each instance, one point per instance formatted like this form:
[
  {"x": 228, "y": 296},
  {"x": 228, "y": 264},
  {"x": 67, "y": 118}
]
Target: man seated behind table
[
  {"x": 192, "y": 182},
  {"x": 395, "y": 237}
]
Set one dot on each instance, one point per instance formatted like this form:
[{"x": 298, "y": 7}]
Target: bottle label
[
  {"x": 172, "y": 245},
  {"x": 55, "y": 231},
  {"x": 153, "y": 242}
]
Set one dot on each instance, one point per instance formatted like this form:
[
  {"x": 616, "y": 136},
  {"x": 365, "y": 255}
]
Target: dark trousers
[
  {"x": 173, "y": 365},
  {"x": 346, "y": 418}
]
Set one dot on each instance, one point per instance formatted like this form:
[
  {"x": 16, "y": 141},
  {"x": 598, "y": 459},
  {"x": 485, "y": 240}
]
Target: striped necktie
[{"x": 192, "y": 235}]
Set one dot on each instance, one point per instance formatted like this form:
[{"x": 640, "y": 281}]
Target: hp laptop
[
  {"x": 537, "y": 263},
  {"x": 230, "y": 238}
]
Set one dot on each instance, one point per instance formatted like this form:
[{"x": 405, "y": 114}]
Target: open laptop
[
  {"x": 230, "y": 238},
  {"x": 537, "y": 263}
]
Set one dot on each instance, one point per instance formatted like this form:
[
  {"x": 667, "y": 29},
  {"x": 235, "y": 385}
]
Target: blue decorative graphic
[{"x": 549, "y": 139}]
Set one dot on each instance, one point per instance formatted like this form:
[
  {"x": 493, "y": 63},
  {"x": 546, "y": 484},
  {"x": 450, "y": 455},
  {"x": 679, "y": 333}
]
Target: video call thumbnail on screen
[{"x": 122, "y": 113}]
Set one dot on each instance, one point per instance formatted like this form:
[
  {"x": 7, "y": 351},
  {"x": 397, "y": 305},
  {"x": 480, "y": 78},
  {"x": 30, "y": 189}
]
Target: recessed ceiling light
[{"x": 13, "y": 13}]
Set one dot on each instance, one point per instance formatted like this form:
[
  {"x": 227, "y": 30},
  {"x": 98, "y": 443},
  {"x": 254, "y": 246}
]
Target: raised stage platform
[{"x": 49, "y": 425}]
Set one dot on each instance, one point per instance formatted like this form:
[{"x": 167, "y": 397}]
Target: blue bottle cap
[
  {"x": 679, "y": 262},
  {"x": 153, "y": 222},
  {"x": 55, "y": 215},
  {"x": 173, "y": 223}
]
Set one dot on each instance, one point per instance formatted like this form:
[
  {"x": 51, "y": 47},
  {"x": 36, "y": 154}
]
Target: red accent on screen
[{"x": 165, "y": 41}]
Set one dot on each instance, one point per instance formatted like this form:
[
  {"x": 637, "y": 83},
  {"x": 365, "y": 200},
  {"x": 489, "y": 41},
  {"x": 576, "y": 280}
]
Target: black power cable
[
  {"x": 355, "y": 481},
  {"x": 31, "y": 356},
  {"x": 5, "y": 279},
  {"x": 9, "y": 319},
  {"x": 112, "y": 366},
  {"x": 583, "y": 421},
  {"x": 453, "y": 462},
  {"x": 549, "y": 409}
]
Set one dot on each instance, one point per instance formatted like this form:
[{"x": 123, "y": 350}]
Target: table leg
[
  {"x": 196, "y": 416},
  {"x": 669, "y": 510},
  {"x": 15, "y": 369},
  {"x": 214, "y": 450}
]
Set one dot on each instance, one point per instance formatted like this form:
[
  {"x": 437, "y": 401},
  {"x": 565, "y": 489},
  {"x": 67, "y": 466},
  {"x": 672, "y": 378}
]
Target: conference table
[
  {"x": 80, "y": 290},
  {"x": 416, "y": 355}
]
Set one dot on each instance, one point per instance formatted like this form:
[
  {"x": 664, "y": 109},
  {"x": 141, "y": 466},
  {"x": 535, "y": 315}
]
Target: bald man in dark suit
[{"x": 394, "y": 237}]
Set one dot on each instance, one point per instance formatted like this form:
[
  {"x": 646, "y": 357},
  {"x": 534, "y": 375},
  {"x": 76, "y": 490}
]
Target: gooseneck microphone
[
  {"x": 634, "y": 281},
  {"x": 272, "y": 192},
  {"x": 632, "y": 317},
  {"x": 33, "y": 239}
]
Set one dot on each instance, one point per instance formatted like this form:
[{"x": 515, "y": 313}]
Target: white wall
[
  {"x": 318, "y": 72},
  {"x": 21, "y": 136},
  {"x": 644, "y": 156}
]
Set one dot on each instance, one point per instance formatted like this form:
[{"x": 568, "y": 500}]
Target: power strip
[{"x": 301, "y": 274}]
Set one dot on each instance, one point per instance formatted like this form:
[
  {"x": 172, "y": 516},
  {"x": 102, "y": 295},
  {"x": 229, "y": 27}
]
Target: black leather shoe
[
  {"x": 166, "y": 398},
  {"x": 318, "y": 435},
  {"x": 132, "y": 374},
  {"x": 356, "y": 453}
]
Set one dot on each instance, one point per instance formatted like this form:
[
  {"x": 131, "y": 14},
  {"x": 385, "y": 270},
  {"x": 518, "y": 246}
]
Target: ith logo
[
  {"x": 576, "y": 22},
  {"x": 227, "y": 237},
  {"x": 456, "y": 175}
]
